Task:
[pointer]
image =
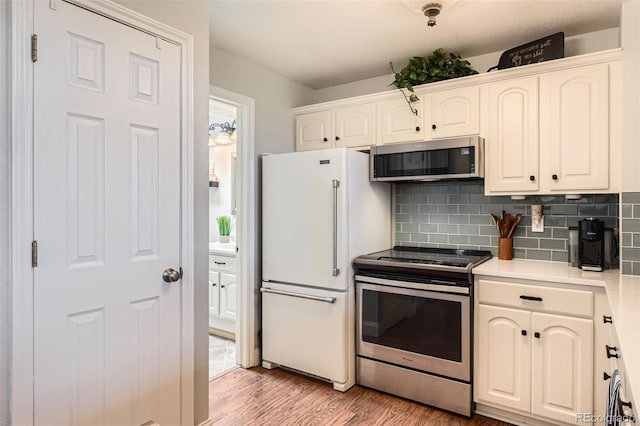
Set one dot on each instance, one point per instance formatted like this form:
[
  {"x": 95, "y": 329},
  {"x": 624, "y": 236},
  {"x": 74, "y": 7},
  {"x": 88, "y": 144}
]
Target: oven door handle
[{"x": 299, "y": 295}]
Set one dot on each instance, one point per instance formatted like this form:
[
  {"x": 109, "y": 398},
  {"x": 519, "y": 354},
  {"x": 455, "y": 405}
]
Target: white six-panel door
[{"x": 107, "y": 204}]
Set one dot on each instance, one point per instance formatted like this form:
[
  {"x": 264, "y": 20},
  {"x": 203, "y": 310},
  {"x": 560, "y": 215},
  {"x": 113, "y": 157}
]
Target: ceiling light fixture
[
  {"x": 429, "y": 9},
  {"x": 226, "y": 135}
]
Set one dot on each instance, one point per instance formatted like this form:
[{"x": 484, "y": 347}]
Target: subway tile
[
  {"x": 428, "y": 227},
  {"x": 448, "y": 208},
  {"x": 501, "y": 199},
  {"x": 488, "y": 230},
  {"x": 631, "y": 254},
  {"x": 403, "y": 199},
  {"x": 479, "y": 199},
  {"x": 411, "y": 188},
  {"x": 480, "y": 240},
  {"x": 439, "y": 218},
  {"x": 627, "y": 211},
  {"x": 458, "y": 239},
  {"x": 551, "y": 220},
  {"x": 418, "y": 198},
  {"x": 469, "y": 209},
  {"x": 402, "y": 236},
  {"x": 605, "y": 198},
  {"x": 544, "y": 234},
  {"x": 520, "y": 231},
  {"x": 480, "y": 219},
  {"x": 437, "y": 199},
  {"x": 517, "y": 208},
  {"x": 495, "y": 240},
  {"x": 398, "y": 227},
  {"x": 573, "y": 220},
  {"x": 559, "y": 256},
  {"x": 561, "y": 233},
  {"x": 469, "y": 229},
  {"x": 551, "y": 244},
  {"x": 420, "y": 237},
  {"x": 636, "y": 268},
  {"x": 459, "y": 219},
  {"x": 448, "y": 229},
  {"x": 471, "y": 188},
  {"x": 420, "y": 218},
  {"x": 636, "y": 239},
  {"x": 428, "y": 208},
  {"x": 636, "y": 211},
  {"x": 564, "y": 209},
  {"x": 458, "y": 199},
  {"x": 597, "y": 210},
  {"x": 631, "y": 197},
  {"x": 525, "y": 242},
  {"x": 438, "y": 238},
  {"x": 410, "y": 208},
  {"x": 627, "y": 268},
  {"x": 614, "y": 210},
  {"x": 410, "y": 227},
  {"x": 631, "y": 225},
  {"x": 403, "y": 217},
  {"x": 611, "y": 222},
  {"x": 517, "y": 253},
  {"x": 486, "y": 209},
  {"x": 628, "y": 239},
  {"x": 538, "y": 254}
]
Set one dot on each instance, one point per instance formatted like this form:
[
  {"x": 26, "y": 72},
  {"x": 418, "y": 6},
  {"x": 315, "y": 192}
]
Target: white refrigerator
[{"x": 319, "y": 211}]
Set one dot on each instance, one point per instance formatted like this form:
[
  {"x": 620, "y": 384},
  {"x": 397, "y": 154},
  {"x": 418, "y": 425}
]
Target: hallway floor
[{"x": 222, "y": 355}]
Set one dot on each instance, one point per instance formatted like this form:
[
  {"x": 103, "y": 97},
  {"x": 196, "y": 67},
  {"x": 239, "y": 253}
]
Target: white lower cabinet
[
  {"x": 222, "y": 295},
  {"x": 529, "y": 361}
]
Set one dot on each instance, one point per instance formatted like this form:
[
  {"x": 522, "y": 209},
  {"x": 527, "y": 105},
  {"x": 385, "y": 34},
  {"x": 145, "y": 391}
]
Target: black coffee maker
[{"x": 591, "y": 244}]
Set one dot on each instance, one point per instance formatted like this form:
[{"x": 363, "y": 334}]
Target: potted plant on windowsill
[
  {"x": 224, "y": 228},
  {"x": 422, "y": 70}
]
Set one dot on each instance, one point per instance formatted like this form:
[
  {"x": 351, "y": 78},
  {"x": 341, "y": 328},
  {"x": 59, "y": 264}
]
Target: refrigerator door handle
[
  {"x": 301, "y": 296},
  {"x": 336, "y": 185}
]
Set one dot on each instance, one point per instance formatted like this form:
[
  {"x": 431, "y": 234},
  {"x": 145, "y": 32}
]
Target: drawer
[
  {"x": 222, "y": 263},
  {"x": 536, "y": 298}
]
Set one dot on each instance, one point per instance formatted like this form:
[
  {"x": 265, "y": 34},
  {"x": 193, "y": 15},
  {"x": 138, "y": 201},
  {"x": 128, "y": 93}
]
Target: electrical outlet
[{"x": 537, "y": 224}]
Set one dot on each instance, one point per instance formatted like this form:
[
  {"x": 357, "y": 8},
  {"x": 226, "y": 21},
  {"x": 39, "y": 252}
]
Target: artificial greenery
[
  {"x": 224, "y": 225},
  {"x": 436, "y": 67}
]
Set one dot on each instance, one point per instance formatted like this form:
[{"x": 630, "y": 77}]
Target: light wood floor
[{"x": 278, "y": 397}]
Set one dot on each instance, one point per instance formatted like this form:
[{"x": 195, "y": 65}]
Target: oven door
[{"x": 424, "y": 330}]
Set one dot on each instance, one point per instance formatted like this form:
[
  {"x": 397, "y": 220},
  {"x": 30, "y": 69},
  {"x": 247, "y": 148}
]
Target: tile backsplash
[
  {"x": 630, "y": 241},
  {"x": 457, "y": 215}
]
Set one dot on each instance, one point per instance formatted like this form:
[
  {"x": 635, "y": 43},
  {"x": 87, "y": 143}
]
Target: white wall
[
  {"x": 575, "y": 45},
  {"x": 192, "y": 17},
  {"x": 631, "y": 94},
  {"x": 5, "y": 194}
]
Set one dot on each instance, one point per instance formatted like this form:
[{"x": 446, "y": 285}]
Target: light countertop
[
  {"x": 623, "y": 293},
  {"x": 224, "y": 249}
]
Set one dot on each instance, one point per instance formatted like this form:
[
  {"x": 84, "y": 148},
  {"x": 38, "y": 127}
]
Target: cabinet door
[
  {"x": 503, "y": 357},
  {"x": 562, "y": 362},
  {"x": 313, "y": 130},
  {"x": 214, "y": 293},
  {"x": 398, "y": 123},
  {"x": 577, "y": 104},
  {"x": 454, "y": 112},
  {"x": 355, "y": 126},
  {"x": 228, "y": 292},
  {"x": 512, "y": 145}
]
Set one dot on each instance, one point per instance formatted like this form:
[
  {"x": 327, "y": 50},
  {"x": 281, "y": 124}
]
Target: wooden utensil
[
  {"x": 496, "y": 221},
  {"x": 515, "y": 223}
]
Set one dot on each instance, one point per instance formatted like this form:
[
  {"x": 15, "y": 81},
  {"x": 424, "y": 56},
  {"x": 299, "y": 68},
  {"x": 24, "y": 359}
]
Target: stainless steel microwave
[{"x": 430, "y": 160}]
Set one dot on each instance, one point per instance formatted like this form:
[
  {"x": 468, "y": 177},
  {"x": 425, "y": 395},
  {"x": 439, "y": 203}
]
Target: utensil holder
[{"x": 505, "y": 248}]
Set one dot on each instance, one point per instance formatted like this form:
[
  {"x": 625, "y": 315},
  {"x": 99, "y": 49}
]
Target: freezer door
[
  {"x": 305, "y": 329},
  {"x": 304, "y": 230}
]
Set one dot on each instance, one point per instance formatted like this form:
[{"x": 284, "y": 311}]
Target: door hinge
[
  {"x": 34, "y": 254},
  {"x": 34, "y": 47}
]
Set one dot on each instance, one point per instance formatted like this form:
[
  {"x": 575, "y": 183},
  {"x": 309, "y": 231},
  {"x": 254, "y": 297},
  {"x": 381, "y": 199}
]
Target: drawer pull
[
  {"x": 607, "y": 319},
  {"x": 611, "y": 351},
  {"x": 605, "y": 376},
  {"x": 626, "y": 404},
  {"x": 523, "y": 332},
  {"x": 534, "y": 298},
  {"x": 219, "y": 263}
]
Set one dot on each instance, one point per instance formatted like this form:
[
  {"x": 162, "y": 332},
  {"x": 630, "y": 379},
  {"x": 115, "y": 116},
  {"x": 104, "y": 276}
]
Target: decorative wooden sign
[{"x": 544, "y": 49}]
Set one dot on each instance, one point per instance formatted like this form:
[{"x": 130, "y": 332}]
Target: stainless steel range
[{"x": 414, "y": 324}]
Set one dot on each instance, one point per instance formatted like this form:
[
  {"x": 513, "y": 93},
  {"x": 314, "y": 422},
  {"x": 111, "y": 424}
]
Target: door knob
[{"x": 170, "y": 275}]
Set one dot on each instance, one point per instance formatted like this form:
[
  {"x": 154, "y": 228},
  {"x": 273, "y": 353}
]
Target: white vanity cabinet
[
  {"x": 534, "y": 349},
  {"x": 222, "y": 294}
]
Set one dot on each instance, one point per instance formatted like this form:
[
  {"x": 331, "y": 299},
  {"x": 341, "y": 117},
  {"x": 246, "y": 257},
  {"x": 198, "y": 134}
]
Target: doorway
[{"x": 232, "y": 277}]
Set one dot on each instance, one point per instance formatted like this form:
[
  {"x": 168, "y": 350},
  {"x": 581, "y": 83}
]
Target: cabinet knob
[
  {"x": 536, "y": 335},
  {"x": 222, "y": 286},
  {"x": 606, "y": 319},
  {"x": 433, "y": 127},
  {"x": 554, "y": 177},
  {"x": 532, "y": 178},
  {"x": 212, "y": 284},
  {"x": 523, "y": 332},
  {"x": 417, "y": 128},
  {"x": 337, "y": 138},
  {"x": 325, "y": 140}
]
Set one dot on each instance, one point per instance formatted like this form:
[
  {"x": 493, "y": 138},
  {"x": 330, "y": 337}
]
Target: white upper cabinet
[
  {"x": 355, "y": 126},
  {"x": 454, "y": 112},
  {"x": 398, "y": 123},
  {"x": 313, "y": 130},
  {"x": 575, "y": 112},
  {"x": 512, "y": 143}
]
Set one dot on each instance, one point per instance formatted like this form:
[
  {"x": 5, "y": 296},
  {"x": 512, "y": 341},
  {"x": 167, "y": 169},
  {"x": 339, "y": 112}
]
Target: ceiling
[{"x": 323, "y": 43}]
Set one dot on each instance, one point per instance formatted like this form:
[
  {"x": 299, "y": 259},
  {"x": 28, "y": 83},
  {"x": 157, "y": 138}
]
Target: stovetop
[{"x": 424, "y": 258}]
